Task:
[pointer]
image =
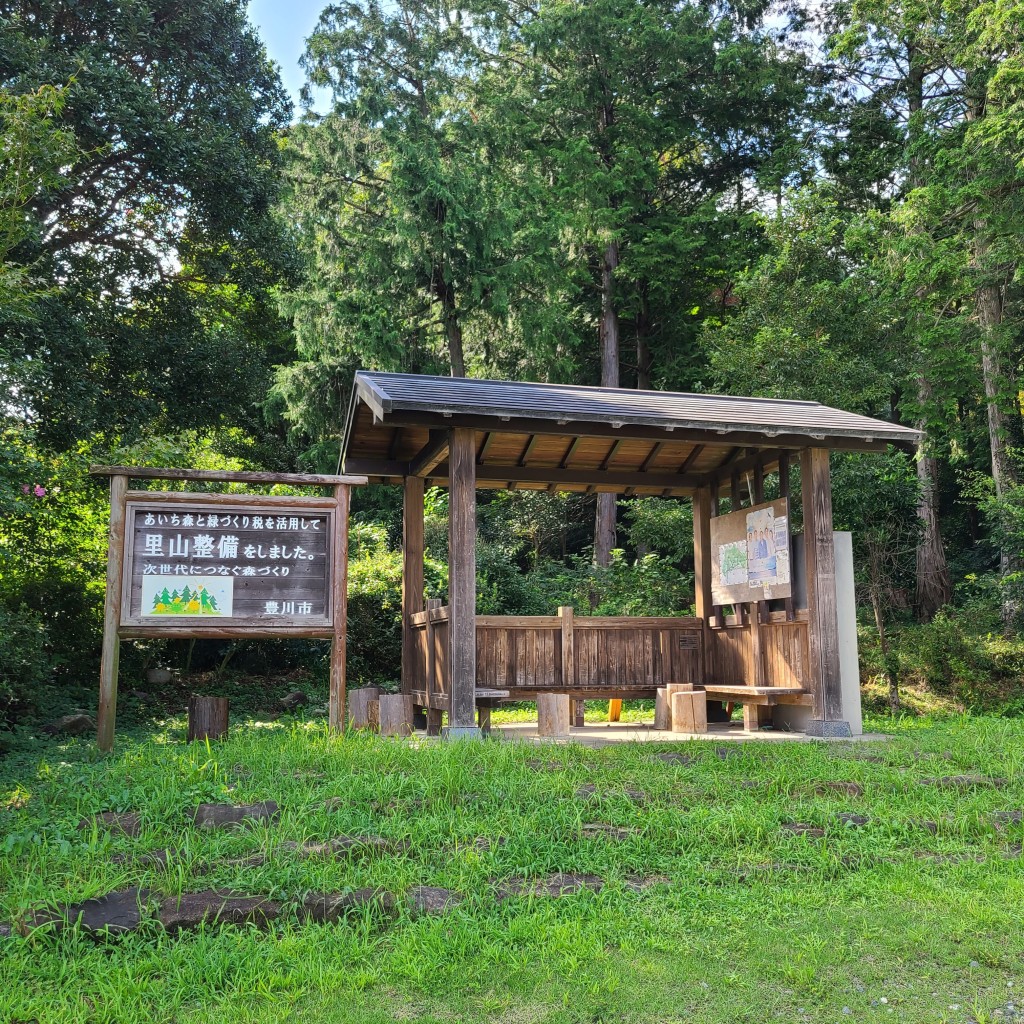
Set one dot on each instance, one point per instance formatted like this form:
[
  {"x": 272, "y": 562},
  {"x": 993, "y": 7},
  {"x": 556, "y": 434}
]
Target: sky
[{"x": 283, "y": 26}]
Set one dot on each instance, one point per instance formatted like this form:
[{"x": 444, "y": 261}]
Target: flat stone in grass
[
  {"x": 603, "y": 829},
  {"x": 851, "y": 820},
  {"x": 843, "y": 788},
  {"x": 562, "y": 883},
  {"x": 216, "y": 907},
  {"x": 803, "y": 828},
  {"x": 965, "y": 782},
  {"x": 211, "y": 816},
  {"x": 329, "y": 908},
  {"x": 681, "y": 760},
  {"x": 340, "y": 846},
  {"x": 429, "y": 899},
  {"x": 1007, "y": 817},
  {"x": 115, "y": 913},
  {"x": 70, "y": 725},
  {"x": 128, "y": 823},
  {"x": 153, "y": 859}
]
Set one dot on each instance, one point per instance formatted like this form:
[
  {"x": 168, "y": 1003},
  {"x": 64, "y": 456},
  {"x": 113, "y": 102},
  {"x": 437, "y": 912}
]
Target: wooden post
[
  {"x": 689, "y": 712},
  {"x": 553, "y": 715},
  {"x": 822, "y": 613},
  {"x": 207, "y": 718},
  {"x": 359, "y": 701},
  {"x": 614, "y": 710},
  {"x": 757, "y": 645},
  {"x": 395, "y": 714},
  {"x": 106, "y": 714},
  {"x": 662, "y": 710},
  {"x": 462, "y": 581},
  {"x": 784, "y": 493},
  {"x": 412, "y": 571},
  {"x": 339, "y": 602},
  {"x": 567, "y": 615},
  {"x": 703, "y": 607}
]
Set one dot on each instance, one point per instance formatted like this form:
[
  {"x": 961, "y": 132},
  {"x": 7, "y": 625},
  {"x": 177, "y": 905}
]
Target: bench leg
[
  {"x": 614, "y": 710},
  {"x": 755, "y": 716},
  {"x": 577, "y": 717},
  {"x": 433, "y": 722}
]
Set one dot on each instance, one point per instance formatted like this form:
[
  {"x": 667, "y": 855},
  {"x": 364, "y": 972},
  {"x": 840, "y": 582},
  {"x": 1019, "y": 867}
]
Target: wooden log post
[
  {"x": 207, "y": 718},
  {"x": 662, "y": 710},
  {"x": 412, "y": 573},
  {"x": 395, "y": 714},
  {"x": 360, "y": 715},
  {"x": 462, "y": 582},
  {"x": 553, "y": 715},
  {"x": 689, "y": 712},
  {"x": 703, "y": 607},
  {"x": 106, "y": 714},
  {"x": 822, "y": 611},
  {"x": 339, "y": 602}
]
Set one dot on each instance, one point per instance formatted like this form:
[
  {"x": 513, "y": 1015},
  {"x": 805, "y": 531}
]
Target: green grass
[{"x": 753, "y": 923}]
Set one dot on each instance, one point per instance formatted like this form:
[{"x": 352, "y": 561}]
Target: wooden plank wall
[{"x": 785, "y": 646}]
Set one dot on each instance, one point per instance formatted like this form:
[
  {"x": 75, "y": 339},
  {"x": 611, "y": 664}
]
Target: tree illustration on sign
[{"x": 189, "y": 602}]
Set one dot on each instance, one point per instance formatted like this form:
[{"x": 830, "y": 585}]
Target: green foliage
[
  {"x": 660, "y": 525},
  {"x": 24, "y": 661}
]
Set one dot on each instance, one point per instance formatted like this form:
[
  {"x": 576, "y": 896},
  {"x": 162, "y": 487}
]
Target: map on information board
[{"x": 750, "y": 554}]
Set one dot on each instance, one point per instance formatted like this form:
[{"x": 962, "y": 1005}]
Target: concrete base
[
  {"x": 828, "y": 730},
  {"x": 454, "y": 732}
]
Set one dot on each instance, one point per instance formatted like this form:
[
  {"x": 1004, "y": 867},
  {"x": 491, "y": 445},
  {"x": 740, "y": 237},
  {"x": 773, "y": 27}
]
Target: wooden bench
[
  {"x": 758, "y": 700},
  {"x": 486, "y": 699}
]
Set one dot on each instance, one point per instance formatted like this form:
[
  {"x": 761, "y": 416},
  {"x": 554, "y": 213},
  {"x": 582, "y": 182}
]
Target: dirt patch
[
  {"x": 153, "y": 859},
  {"x": 641, "y": 883},
  {"x": 679, "y": 760},
  {"x": 601, "y": 829},
  {"x": 1003, "y": 818}
]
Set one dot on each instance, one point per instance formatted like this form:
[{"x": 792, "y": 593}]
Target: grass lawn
[{"x": 914, "y": 915}]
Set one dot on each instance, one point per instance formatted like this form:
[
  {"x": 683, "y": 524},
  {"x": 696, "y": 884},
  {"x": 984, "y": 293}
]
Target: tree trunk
[
  {"x": 875, "y": 588},
  {"x": 933, "y": 586},
  {"x": 452, "y": 328},
  {"x": 207, "y": 718},
  {"x": 604, "y": 525}
]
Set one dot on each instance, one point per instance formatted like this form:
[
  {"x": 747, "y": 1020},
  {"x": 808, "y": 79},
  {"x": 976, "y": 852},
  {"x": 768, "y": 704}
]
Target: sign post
[{"x": 234, "y": 566}]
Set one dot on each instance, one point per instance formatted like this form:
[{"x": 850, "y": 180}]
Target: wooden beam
[
  {"x": 606, "y": 461},
  {"x": 432, "y": 454},
  {"x": 462, "y": 580},
  {"x": 527, "y": 449},
  {"x": 225, "y": 476},
  {"x": 784, "y": 489},
  {"x": 702, "y": 552},
  {"x": 106, "y": 714},
  {"x": 725, "y": 435},
  {"x": 820, "y": 570},
  {"x": 412, "y": 572},
  {"x": 339, "y": 609},
  {"x": 619, "y": 478},
  {"x": 484, "y": 446},
  {"x": 692, "y": 457},
  {"x": 569, "y": 453},
  {"x": 652, "y": 455}
]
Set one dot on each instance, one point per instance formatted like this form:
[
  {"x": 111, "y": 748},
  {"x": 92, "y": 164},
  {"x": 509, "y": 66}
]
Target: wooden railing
[
  {"x": 785, "y": 650},
  {"x": 585, "y": 656}
]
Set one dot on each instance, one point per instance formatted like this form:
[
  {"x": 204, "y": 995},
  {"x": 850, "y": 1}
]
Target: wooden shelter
[{"x": 462, "y": 433}]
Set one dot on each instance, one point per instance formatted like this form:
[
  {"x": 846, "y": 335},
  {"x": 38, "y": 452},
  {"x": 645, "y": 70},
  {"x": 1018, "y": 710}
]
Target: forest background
[{"x": 820, "y": 201}]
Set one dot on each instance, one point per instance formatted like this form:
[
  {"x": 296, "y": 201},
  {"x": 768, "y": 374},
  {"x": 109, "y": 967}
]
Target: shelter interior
[{"x": 463, "y": 433}]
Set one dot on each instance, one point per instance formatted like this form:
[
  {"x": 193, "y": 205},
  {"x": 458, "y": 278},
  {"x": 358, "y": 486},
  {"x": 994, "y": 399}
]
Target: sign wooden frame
[{"x": 119, "y": 622}]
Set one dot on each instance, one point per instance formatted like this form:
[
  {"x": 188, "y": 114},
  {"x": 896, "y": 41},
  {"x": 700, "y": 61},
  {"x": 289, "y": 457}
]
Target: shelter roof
[{"x": 585, "y": 438}]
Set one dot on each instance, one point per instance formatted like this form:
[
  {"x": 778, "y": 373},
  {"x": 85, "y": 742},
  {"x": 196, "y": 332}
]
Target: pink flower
[
  {"x": 24, "y": 488},
  {"x": 39, "y": 492}
]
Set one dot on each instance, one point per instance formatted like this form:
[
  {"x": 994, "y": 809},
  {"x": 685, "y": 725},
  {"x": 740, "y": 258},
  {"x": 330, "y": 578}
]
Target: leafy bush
[{"x": 24, "y": 664}]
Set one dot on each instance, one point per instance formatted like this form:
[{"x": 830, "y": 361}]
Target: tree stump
[
  {"x": 207, "y": 718},
  {"x": 395, "y": 714},
  {"x": 552, "y": 714},
  {"x": 662, "y": 711},
  {"x": 689, "y": 712},
  {"x": 360, "y": 713}
]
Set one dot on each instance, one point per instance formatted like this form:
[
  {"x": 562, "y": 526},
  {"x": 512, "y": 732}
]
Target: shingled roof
[{"x": 679, "y": 440}]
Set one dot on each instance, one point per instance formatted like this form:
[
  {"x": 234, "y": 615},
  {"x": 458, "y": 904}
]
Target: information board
[
  {"x": 202, "y": 565},
  {"x": 750, "y": 554}
]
